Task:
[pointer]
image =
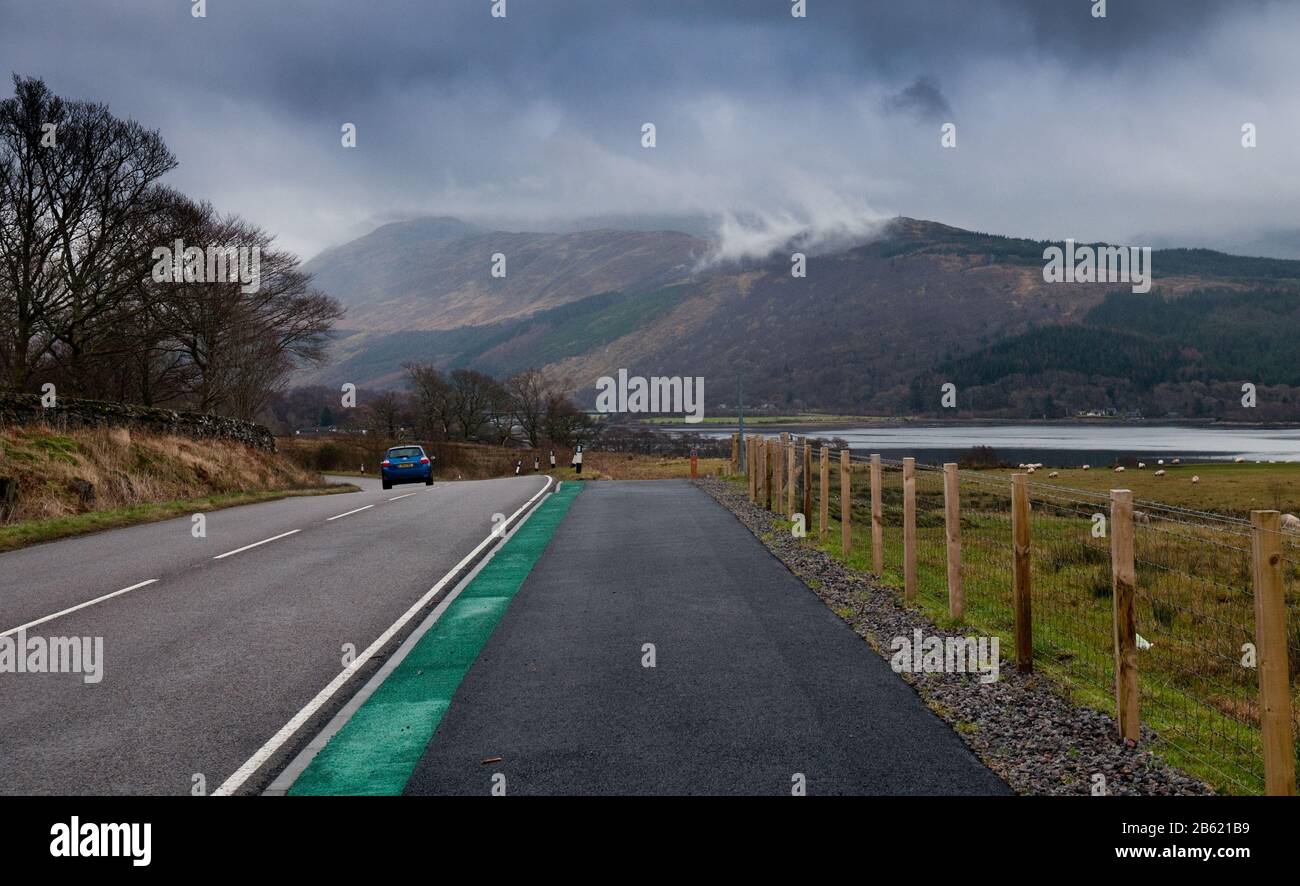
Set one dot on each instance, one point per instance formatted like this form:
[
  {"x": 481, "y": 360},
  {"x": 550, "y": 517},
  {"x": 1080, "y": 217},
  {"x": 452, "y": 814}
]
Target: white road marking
[
  {"x": 296, "y": 767},
  {"x": 349, "y": 513},
  {"x": 255, "y": 544},
  {"x": 255, "y": 762},
  {"x": 32, "y": 624},
  {"x": 408, "y": 495}
]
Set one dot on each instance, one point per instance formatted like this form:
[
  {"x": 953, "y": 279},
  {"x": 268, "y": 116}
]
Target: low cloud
[{"x": 923, "y": 100}]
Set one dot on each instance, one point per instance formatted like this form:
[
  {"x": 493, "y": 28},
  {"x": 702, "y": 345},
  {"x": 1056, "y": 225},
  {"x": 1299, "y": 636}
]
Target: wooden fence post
[
  {"x": 1020, "y": 588},
  {"x": 1123, "y": 586},
  {"x": 767, "y": 473},
  {"x": 952, "y": 527},
  {"x": 824, "y": 494},
  {"x": 846, "y": 503},
  {"x": 1271, "y": 639},
  {"x": 778, "y": 467},
  {"x": 757, "y": 467},
  {"x": 909, "y": 528},
  {"x": 752, "y": 462},
  {"x": 789, "y": 456},
  {"x": 877, "y": 519},
  {"x": 807, "y": 484},
  {"x": 735, "y": 454}
]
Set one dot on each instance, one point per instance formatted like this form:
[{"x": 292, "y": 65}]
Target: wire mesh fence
[{"x": 1193, "y": 602}]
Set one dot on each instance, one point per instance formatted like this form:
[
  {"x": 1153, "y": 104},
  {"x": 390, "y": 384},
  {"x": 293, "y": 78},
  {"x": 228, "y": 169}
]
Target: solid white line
[
  {"x": 255, "y": 544},
  {"x": 349, "y": 513},
  {"x": 32, "y": 624},
  {"x": 296, "y": 767},
  {"x": 408, "y": 495},
  {"x": 287, "y": 731}
]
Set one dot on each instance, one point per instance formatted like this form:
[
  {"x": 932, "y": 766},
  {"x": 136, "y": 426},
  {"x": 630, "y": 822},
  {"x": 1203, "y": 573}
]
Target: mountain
[
  {"x": 876, "y": 328},
  {"x": 435, "y": 273}
]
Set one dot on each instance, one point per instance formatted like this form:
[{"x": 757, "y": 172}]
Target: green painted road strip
[{"x": 378, "y": 748}]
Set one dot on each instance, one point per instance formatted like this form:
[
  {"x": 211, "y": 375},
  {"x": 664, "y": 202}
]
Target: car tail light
[
  {"x": 385, "y": 463},
  {"x": 425, "y": 460}
]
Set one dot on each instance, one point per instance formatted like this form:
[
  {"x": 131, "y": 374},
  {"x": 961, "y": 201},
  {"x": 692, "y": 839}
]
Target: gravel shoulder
[{"x": 1018, "y": 725}]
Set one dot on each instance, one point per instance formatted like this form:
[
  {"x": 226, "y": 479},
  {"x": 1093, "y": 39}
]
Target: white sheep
[
  {"x": 1196, "y": 479},
  {"x": 1142, "y": 517},
  {"x": 1291, "y": 522},
  {"x": 1238, "y": 460},
  {"x": 1141, "y": 465},
  {"x": 1054, "y": 474},
  {"x": 1174, "y": 461},
  {"x": 1160, "y": 461},
  {"x": 1085, "y": 467},
  {"x": 1120, "y": 469},
  {"x": 1143, "y": 643},
  {"x": 1159, "y": 473}
]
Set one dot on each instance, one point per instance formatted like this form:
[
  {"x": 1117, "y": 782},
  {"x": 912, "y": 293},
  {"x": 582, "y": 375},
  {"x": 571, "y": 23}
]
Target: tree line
[
  {"x": 529, "y": 407},
  {"x": 82, "y": 211}
]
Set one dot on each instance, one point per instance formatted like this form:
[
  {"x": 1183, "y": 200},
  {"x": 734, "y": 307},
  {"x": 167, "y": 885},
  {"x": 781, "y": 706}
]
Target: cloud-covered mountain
[{"x": 871, "y": 328}]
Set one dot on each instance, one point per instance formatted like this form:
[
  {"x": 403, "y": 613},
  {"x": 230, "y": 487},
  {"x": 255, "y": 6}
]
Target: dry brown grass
[{"x": 127, "y": 468}]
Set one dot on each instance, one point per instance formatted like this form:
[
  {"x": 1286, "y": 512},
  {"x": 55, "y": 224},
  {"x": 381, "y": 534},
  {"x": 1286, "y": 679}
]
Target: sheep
[
  {"x": 1120, "y": 469},
  {"x": 1142, "y": 517},
  {"x": 1160, "y": 462},
  {"x": 1291, "y": 522},
  {"x": 1143, "y": 643},
  {"x": 1159, "y": 473},
  {"x": 1054, "y": 474},
  {"x": 1029, "y": 470},
  {"x": 1196, "y": 479},
  {"x": 1141, "y": 465},
  {"x": 1174, "y": 461},
  {"x": 1238, "y": 460},
  {"x": 1085, "y": 467}
]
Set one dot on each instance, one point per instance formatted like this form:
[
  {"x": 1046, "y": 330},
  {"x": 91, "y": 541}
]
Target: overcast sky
[{"x": 1126, "y": 128}]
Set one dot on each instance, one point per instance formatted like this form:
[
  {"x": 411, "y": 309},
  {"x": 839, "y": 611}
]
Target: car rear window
[{"x": 405, "y": 452}]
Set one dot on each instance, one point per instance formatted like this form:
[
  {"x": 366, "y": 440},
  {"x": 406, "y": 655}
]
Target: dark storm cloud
[
  {"x": 923, "y": 99},
  {"x": 538, "y": 116}
]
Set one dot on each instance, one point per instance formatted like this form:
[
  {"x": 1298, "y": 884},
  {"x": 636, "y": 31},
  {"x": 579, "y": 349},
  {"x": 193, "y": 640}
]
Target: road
[
  {"x": 235, "y": 633},
  {"x": 756, "y": 682}
]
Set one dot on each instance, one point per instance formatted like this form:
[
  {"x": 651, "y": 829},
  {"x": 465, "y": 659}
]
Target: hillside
[
  {"x": 434, "y": 274},
  {"x": 871, "y": 329}
]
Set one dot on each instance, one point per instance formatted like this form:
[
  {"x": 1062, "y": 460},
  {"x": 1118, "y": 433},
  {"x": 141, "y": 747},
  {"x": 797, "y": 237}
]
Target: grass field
[{"x": 1194, "y": 601}]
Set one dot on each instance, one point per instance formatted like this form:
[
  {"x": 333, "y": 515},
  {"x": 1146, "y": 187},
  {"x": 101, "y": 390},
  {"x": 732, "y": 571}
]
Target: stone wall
[{"x": 26, "y": 409}]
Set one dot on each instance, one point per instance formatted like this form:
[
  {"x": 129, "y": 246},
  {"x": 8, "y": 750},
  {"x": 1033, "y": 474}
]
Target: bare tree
[
  {"x": 387, "y": 410},
  {"x": 473, "y": 394},
  {"x": 434, "y": 414},
  {"x": 529, "y": 392}
]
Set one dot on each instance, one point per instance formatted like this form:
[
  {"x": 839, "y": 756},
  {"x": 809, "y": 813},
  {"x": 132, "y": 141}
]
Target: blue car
[{"x": 406, "y": 464}]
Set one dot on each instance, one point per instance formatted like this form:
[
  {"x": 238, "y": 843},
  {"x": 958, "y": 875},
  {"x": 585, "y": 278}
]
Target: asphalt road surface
[
  {"x": 230, "y": 640},
  {"x": 756, "y": 682}
]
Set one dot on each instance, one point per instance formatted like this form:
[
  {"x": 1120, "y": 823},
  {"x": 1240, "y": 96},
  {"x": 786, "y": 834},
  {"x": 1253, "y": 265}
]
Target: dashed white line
[
  {"x": 255, "y": 544},
  {"x": 255, "y": 762},
  {"x": 348, "y": 513},
  {"x": 32, "y": 624},
  {"x": 408, "y": 495}
]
